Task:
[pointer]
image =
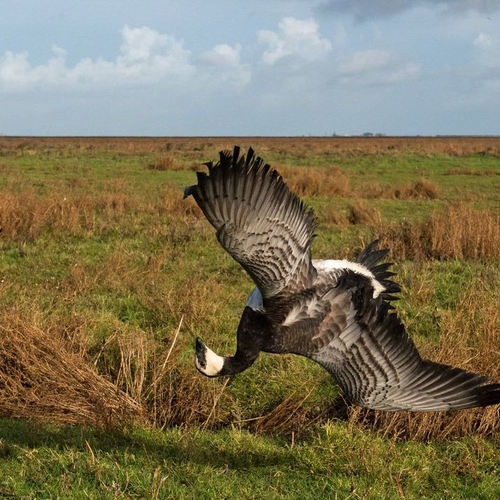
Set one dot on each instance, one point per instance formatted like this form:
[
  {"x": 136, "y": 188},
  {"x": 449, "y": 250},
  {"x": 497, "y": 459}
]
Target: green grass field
[
  {"x": 336, "y": 462},
  {"x": 107, "y": 276}
]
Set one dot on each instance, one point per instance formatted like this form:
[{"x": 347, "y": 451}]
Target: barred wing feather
[
  {"x": 378, "y": 366},
  {"x": 259, "y": 221}
]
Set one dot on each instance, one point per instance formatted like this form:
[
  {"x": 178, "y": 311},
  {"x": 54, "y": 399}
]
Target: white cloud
[
  {"x": 299, "y": 76},
  {"x": 222, "y": 65},
  {"x": 16, "y": 71},
  {"x": 145, "y": 56},
  {"x": 139, "y": 44},
  {"x": 148, "y": 54},
  {"x": 299, "y": 38},
  {"x": 377, "y": 67},
  {"x": 364, "y": 61},
  {"x": 223, "y": 55},
  {"x": 483, "y": 41}
]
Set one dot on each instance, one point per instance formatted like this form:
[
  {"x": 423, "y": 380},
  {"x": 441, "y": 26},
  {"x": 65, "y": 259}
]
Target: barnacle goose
[{"x": 335, "y": 312}]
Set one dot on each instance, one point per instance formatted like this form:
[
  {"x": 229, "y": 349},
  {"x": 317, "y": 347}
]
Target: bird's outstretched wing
[
  {"x": 364, "y": 345},
  {"x": 259, "y": 221}
]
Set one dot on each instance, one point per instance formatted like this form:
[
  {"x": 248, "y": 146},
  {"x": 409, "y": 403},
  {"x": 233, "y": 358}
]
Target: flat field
[{"x": 107, "y": 276}]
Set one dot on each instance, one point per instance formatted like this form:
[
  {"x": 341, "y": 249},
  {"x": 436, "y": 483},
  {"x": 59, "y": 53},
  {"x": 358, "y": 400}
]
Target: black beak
[{"x": 200, "y": 352}]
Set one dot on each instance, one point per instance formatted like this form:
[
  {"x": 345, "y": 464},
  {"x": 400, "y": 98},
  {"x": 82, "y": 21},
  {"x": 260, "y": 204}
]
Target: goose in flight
[{"x": 336, "y": 312}]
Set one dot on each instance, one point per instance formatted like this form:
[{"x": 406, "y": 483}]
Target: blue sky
[{"x": 260, "y": 67}]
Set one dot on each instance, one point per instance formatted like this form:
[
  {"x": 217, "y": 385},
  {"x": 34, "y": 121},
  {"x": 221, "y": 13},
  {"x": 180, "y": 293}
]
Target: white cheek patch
[
  {"x": 213, "y": 363},
  {"x": 338, "y": 265}
]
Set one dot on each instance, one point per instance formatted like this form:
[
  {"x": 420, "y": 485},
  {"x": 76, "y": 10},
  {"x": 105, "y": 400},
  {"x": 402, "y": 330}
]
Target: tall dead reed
[
  {"x": 423, "y": 189},
  {"x": 292, "y": 417},
  {"x": 164, "y": 162},
  {"x": 24, "y": 216},
  {"x": 41, "y": 378},
  {"x": 129, "y": 379},
  {"x": 360, "y": 212},
  {"x": 457, "y": 232},
  {"x": 316, "y": 182},
  {"x": 170, "y": 395}
]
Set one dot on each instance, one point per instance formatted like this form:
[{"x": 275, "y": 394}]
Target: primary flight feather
[{"x": 335, "y": 312}]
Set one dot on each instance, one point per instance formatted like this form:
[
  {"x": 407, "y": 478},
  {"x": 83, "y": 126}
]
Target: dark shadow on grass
[{"x": 205, "y": 448}]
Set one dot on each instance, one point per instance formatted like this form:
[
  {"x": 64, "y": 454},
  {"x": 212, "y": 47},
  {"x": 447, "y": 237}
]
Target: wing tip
[
  {"x": 488, "y": 395},
  {"x": 370, "y": 257}
]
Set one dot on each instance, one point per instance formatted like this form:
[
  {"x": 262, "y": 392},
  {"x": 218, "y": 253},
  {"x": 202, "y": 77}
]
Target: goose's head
[{"x": 206, "y": 361}]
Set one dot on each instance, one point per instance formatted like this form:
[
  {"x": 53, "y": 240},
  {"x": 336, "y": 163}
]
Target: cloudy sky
[{"x": 259, "y": 67}]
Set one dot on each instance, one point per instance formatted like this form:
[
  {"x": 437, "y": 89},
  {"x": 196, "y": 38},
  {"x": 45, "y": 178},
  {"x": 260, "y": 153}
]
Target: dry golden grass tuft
[
  {"x": 360, "y": 212},
  {"x": 130, "y": 378},
  {"x": 163, "y": 163},
  {"x": 316, "y": 182},
  {"x": 292, "y": 417},
  {"x": 24, "y": 216},
  {"x": 423, "y": 189},
  {"x": 149, "y": 373},
  {"x": 170, "y": 162},
  {"x": 458, "y": 232},
  {"x": 373, "y": 189},
  {"x": 41, "y": 378}
]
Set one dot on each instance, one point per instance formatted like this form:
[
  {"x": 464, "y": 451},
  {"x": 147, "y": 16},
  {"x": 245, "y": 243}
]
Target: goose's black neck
[{"x": 253, "y": 330}]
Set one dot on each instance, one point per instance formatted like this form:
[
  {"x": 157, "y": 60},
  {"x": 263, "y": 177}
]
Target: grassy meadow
[{"x": 107, "y": 276}]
